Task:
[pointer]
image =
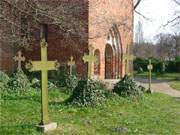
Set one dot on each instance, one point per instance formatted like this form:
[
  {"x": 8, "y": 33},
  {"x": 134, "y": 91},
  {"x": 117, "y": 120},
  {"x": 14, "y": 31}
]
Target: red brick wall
[
  {"x": 6, "y": 59},
  {"x": 100, "y": 17}
]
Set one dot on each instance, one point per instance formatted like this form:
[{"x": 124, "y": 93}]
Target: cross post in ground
[
  {"x": 71, "y": 63},
  {"x": 128, "y": 58},
  {"x": 19, "y": 58},
  {"x": 44, "y": 66},
  {"x": 150, "y": 67},
  {"x": 90, "y": 59}
]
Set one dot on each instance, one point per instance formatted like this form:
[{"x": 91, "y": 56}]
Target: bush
[
  {"x": 59, "y": 77},
  {"x": 173, "y": 65},
  {"x": 127, "y": 87},
  {"x": 71, "y": 83},
  {"x": 140, "y": 70},
  {"x": 19, "y": 82},
  {"x": 87, "y": 93},
  {"x": 36, "y": 83},
  {"x": 4, "y": 78},
  {"x": 140, "y": 64},
  {"x": 159, "y": 66}
]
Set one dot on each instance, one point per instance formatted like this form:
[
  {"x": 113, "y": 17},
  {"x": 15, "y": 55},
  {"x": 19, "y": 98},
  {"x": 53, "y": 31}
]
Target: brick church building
[{"x": 107, "y": 25}]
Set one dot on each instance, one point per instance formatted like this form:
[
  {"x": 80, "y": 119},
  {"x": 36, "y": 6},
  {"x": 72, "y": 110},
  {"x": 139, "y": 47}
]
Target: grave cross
[
  {"x": 71, "y": 63},
  {"x": 90, "y": 59},
  {"x": 150, "y": 67},
  {"x": 128, "y": 58},
  {"x": 19, "y": 58},
  {"x": 44, "y": 66}
]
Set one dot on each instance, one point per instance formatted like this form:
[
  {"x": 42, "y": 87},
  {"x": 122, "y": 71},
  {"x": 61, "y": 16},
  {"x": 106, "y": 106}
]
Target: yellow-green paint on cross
[
  {"x": 90, "y": 59},
  {"x": 128, "y": 58},
  {"x": 71, "y": 63},
  {"x": 19, "y": 58},
  {"x": 150, "y": 67},
  {"x": 44, "y": 66}
]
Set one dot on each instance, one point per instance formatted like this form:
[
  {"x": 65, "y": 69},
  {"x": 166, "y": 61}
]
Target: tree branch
[
  {"x": 137, "y": 4},
  {"x": 146, "y": 18},
  {"x": 177, "y": 2}
]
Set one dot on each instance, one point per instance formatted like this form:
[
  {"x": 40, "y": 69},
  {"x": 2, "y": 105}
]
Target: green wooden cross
[
  {"x": 150, "y": 67},
  {"x": 19, "y": 58},
  {"x": 71, "y": 63},
  {"x": 128, "y": 58},
  {"x": 90, "y": 59},
  {"x": 44, "y": 66}
]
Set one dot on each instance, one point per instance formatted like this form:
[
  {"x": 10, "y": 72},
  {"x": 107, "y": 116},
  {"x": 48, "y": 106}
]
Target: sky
[{"x": 159, "y": 12}]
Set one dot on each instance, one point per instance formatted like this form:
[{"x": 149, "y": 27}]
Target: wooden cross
[
  {"x": 150, "y": 67},
  {"x": 128, "y": 58},
  {"x": 19, "y": 58},
  {"x": 71, "y": 63},
  {"x": 90, "y": 59},
  {"x": 44, "y": 66}
]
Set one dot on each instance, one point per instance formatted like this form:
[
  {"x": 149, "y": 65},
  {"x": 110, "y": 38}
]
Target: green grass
[
  {"x": 175, "y": 85},
  {"x": 156, "y": 114}
]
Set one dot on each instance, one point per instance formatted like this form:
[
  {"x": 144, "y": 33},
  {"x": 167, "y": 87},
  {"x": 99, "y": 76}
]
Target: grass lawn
[{"x": 155, "y": 114}]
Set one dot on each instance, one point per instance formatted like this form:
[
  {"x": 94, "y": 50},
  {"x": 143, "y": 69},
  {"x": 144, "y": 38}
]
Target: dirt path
[{"x": 161, "y": 86}]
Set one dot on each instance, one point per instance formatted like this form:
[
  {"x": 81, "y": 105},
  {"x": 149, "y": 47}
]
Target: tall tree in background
[{"x": 139, "y": 33}]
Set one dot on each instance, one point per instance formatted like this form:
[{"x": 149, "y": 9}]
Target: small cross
[
  {"x": 44, "y": 66},
  {"x": 90, "y": 59},
  {"x": 71, "y": 63},
  {"x": 128, "y": 58},
  {"x": 19, "y": 58},
  {"x": 150, "y": 67}
]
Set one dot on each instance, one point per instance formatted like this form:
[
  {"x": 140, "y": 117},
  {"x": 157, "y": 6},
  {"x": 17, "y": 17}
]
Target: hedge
[{"x": 140, "y": 65}]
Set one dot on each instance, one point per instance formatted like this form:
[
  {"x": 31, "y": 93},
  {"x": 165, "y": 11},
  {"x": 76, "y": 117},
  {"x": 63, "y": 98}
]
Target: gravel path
[{"x": 161, "y": 86}]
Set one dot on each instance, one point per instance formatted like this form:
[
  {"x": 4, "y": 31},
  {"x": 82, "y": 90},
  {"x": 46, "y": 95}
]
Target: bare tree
[
  {"x": 176, "y": 18},
  {"x": 168, "y": 46}
]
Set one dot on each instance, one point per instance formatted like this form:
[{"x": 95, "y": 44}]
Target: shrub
[
  {"x": 140, "y": 70},
  {"x": 19, "y": 82},
  {"x": 4, "y": 78},
  {"x": 159, "y": 66},
  {"x": 140, "y": 64},
  {"x": 87, "y": 93},
  {"x": 36, "y": 83},
  {"x": 59, "y": 77},
  {"x": 127, "y": 87},
  {"x": 173, "y": 66},
  {"x": 71, "y": 82}
]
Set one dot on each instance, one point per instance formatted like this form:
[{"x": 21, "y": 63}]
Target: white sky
[{"x": 159, "y": 11}]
